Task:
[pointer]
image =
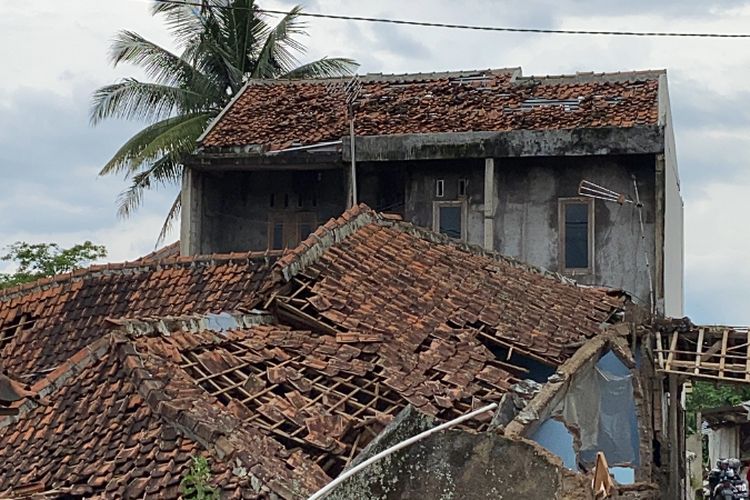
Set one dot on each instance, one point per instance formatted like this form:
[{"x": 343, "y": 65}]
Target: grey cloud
[
  {"x": 399, "y": 42},
  {"x": 49, "y": 159}
]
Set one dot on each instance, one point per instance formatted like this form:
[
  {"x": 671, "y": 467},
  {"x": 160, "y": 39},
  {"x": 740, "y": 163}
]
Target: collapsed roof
[
  {"x": 273, "y": 114},
  {"x": 366, "y": 316}
]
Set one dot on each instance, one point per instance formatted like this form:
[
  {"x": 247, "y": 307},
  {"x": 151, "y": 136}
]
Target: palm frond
[
  {"x": 175, "y": 141},
  {"x": 185, "y": 22},
  {"x": 124, "y": 158},
  {"x": 133, "y": 99},
  {"x": 160, "y": 173},
  {"x": 277, "y": 55},
  {"x": 159, "y": 64},
  {"x": 324, "y": 68},
  {"x": 172, "y": 217}
]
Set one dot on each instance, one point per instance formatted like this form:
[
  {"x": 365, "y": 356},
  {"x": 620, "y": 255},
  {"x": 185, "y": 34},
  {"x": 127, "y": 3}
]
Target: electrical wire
[{"x": 503, "y": 29}]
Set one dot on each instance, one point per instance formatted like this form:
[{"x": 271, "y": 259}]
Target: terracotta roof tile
[
  {"x": 279, "y": 114},
  {"x": 127, "y": 424},
  {"x": 384, "y": 280},
  {"x": 311, "y": 393},
  {"x": 45, "y": 323}
]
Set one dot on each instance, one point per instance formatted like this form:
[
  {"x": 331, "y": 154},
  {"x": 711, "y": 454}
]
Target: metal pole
[
  {"x": 403, "y": 444},
  {"x": 354, "y": 160}
]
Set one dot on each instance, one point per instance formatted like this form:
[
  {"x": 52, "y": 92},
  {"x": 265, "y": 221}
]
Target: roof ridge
[
  {"x": 333, "y": 231},
  {"x": 389, "y": 77},
  {"x": 135, "y": 265},
  {"x": 336, "y": 230},
  {"x": 56, "y": 379},
  {"x": 591, "y": 76}
]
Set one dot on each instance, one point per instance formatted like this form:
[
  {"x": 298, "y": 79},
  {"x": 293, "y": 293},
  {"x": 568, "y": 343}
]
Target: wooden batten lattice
[{"x": 712, "y": 353}]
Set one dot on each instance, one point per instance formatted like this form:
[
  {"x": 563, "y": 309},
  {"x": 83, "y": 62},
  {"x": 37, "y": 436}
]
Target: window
[
  {"x": 462, "y": 184},
  {"x": 576, "y": 235},
  {"x": 449, "y": 218},
  {"x": 278, "y": 236},
  {"x": 304, "y": 230},
  {"x": 288, "y": 229},
  {"x": 439, "y": 188}
]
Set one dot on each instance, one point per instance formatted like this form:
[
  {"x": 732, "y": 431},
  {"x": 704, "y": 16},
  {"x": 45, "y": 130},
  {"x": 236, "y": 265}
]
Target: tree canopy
[
  {"x": 223, "y": 44},
  {"x": 39, "y": 260}
]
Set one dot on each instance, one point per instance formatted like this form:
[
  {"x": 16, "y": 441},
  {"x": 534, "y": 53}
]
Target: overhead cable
[{"x": 504, "y": 29}]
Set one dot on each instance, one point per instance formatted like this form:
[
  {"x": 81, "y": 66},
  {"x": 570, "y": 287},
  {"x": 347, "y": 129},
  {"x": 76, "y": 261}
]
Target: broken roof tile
[{"x": 276, "y": 114}]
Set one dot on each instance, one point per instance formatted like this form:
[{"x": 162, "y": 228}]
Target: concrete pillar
[
  {"x": 191, "y": 212},
  {"x": 659, "y": 226},
  {"x": 489, "y": 204},
  {"x": 675, "y": 490}
]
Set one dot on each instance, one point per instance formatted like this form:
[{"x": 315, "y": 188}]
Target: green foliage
[
  {"x": 196, "y": 483},
  {"x": 708, "y": 395},
  {"x": 224, "y": 43},
  {"x": 39, "y": 260}
]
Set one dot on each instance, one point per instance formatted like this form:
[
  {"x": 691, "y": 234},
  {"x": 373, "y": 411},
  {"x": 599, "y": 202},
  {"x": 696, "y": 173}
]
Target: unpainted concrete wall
[
  {"x": 420, "y": 195},
  {"x": 232, "y": 209},
  {"x": 527, "y": 222},
  {"x": 235, "y": 206},
  {"x": 461, "y": 465},
  {"x": 674, "y": 244}
]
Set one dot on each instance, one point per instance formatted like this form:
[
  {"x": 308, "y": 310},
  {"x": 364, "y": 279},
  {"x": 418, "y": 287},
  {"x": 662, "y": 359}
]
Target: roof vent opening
[
  {"x": 567, "y": 104},
  {"x": 12, "y": 328}
]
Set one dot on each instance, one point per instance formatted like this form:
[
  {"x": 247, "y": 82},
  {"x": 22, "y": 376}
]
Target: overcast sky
[{"x": 53, "y": 56}]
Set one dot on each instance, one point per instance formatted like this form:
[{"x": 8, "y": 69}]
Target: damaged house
[
  {"x": 284, "y": 371},
  {"x": 493, "y": 158},
  {"x": 300, "y": 332}
]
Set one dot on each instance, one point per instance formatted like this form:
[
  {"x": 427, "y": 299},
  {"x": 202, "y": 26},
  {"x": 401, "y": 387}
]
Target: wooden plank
[
  {"x": 714, "y": 349},
  {"x": 706, "y": 366},
  {"x": 672, "y": 347},
  {"x": 703, "y": 375},
  {"x": 722, "y": 360},
  {"x": 659, "y": 350},
  {"x": 698, "y": 352},
  {"x": 703, "y": 356}
]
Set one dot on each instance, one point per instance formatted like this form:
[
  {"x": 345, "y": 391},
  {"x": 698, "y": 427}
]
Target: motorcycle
[{"x": 725, "y": 483}]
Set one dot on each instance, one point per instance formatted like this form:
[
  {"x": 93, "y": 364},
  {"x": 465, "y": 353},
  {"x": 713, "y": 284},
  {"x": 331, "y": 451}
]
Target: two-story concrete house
[{"x": 491, "y": 157}]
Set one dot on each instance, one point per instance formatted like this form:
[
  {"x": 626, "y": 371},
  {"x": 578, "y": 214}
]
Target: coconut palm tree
[{"x": 223, "y": 44}]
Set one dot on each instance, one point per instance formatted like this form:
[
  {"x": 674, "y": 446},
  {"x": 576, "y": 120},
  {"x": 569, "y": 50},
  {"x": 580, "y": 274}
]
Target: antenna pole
[{"x": 353, "y": 172}]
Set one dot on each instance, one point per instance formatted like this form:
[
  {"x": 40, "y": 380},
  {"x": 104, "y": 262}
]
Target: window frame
[
  {"x": 437, "y": 205},
  {"x": 291, "y": 223},
  {"x": 562, "y": 203},
  {"x": 439, "y": 188},
  {"x": 462, "y": 182}
]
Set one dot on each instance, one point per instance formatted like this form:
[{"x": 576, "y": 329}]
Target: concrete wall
[
  {"x": 229, "y": 211},
  {"x": 420, "y": 179},
  {"x": 674, "y": 255},
  {"x": 235, "y": 206},
  {"x": 525, "y": 207},
  {"x": 527, "y": 225},
  {"x": 459, "y": 465}
]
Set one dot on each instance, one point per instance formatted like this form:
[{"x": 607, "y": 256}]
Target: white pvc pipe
[{"x": 403, "y": 444}]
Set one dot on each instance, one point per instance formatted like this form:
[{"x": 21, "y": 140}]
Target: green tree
[
  {"x": 39, "y": 260},
  {"x": 223, "y": 44},
  {"x": 709, "y": 395}
]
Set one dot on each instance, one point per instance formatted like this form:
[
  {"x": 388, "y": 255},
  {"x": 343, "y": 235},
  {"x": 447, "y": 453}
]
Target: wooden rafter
[{"x": 727, "y": 357}]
